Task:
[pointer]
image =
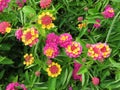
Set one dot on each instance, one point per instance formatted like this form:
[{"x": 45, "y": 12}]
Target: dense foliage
[{"x": 59, "y": 44}]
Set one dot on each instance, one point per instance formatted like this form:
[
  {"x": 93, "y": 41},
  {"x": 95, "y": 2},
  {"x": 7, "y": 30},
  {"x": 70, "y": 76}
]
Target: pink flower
[
  {"x": 5, "y": 27},
  {"x": 108, "y": 12},
  {"x": 99, "y": 51},
  {"x": 52, "y": 38},
  {"x": 74, "y": 50},
  {"x": 65, "y": 40},
  {"x": 70, "y": 88},
  {"x": 3, "y": 4},
  {"x": 95, "y": 80},
  {"x": 14, "y": 85},
  {"x": 51, "y": 50},
  {"x": 97, "y": 24},
  {"x": 45, "y": 3},
  {"x": 37, "y": 73},
  {"x": 80, "y": 19},
  {"x": 75, "y": 71},
  {"x": 19, "y": 33},
  {"x": 20, "y": 3}
]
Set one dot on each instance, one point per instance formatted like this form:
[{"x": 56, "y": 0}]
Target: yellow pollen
[
  {"x": 49, "y": 52},
  {"x": 63, "y": 38}
]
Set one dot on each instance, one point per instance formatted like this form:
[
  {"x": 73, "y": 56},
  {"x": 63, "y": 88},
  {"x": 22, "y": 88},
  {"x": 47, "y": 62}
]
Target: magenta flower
[
  {"x": 80, "y": 19},
  {"x": 45, "y": 3},
  {"x": 19, "y": 33},
  {"x": 3, "y": 4},
  {"x": 108, "y": 12},
  {"x": 20, "y": 3},
  {"x": 70, "y": 88},
  {"x": 52, "y": 38},
  {"x": 15, "y": 85},
  {"x": 75, "y": 71},
  {"x": 51, "y": 50},
  {"x": 97, "y": 24},
  {"x": 95, "y": 80},
  {"x": 73, "y": 50},
  {"x": 65, "y": 40}
]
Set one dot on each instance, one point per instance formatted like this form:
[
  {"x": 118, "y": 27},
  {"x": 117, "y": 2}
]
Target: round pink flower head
[
  {"x": 99, "y": 51},
  {"x": 3, "y": 4},
  {"x": 52, "y": 38},
  {"x": 95, "y": 80},
  {"x": 108, "y": 12},
  {"x": 5, "y": 27},
  {"x": 19, "y": 33},
  {"x": 80, "y": 18},
  {"x": 30, "y": 37},
  {"x": 51, "y": 50},
  {"x": 20, "y": 3},
  {"x": 73, "y": 50},
  {"x": 97, "y": 24},
  {"x": 75, "y": 76},
  {"x": 45, "y": 3},
  {"x": 15, "y": 86},
  {"x": 65, "y": 40}
]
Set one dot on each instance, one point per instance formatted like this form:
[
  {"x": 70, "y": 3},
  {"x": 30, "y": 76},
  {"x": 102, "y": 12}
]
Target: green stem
[{"x": 111, "y": 27}]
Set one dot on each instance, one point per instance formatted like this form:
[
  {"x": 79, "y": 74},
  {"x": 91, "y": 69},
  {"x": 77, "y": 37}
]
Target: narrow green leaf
[{"x": 52, "y": 83}]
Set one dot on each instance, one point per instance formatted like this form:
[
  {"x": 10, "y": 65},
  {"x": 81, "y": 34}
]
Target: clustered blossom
[
  {"x": 97, "y": 24},
  {"x": 73, "y": 50},
  {"x": 19, "y": 33},
  {"x": 29, "y": 59},
  {"x": 30, "y": 37},
  {"x": 108, "y": 12},
  {"x": 15, "y": 86},
  {"x": 52, "y": 38},
  {"x": 75, "y": 76},
  {"x": 46, "y": 20},
  {"x": 45, "y": 3},
  {"x": 51, "y": 50},
  {"x": 20, "y": 3},
  {"x": 99, "y": 51},
  {"x": 3, "y": 4},
  {"x": 95, "y": 81},
  {"x": 5, "y": 27},
  {"x": 54, "y": 69},
  {"x": 65, "y": 40}
]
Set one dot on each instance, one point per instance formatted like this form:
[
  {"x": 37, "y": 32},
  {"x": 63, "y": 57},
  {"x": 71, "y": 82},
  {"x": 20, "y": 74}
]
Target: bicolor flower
[
  {"x": 99, "y": 51},
  {"x": 29, "y": 59},
  {"x": 15, "y": 86},
  {"x": 45, "y": 3},
  {"x": 97, "y": 24},
  {"x": 108, "y": 12},
  {"x": 52, "y": 38},
  {"x": 30, "y": 37},
  {"x": 82, "y": 25},
  {"x": 3, "y": 4},
  {"x": 54, "y": 69},
  {"x": 75, "y": 76},
  {"x": 51, "y": 50},
  {"x": 46, "y": 20},
  {"x": 5, "y": 27},
  {"x": 74, "y": 50},
  {"x": 65, "y": 39}
]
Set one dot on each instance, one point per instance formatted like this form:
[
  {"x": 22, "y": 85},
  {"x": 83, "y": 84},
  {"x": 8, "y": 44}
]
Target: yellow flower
[
  {"x": 54, "y": 69},
  {"x": 46, "y": 20},
  {"x": 29, "y": 59}
]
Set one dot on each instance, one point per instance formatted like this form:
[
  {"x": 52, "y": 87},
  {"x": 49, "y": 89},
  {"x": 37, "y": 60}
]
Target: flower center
[
  {"x": 111, "y": 11},
  {"x": 54, "y": 69},
  {"x": 63, "y": 38},
  {"x": 103, "y": 49},
  {"x": 46, "y": 20},
  {"x": 27, "y": 58},
  {"x": 73, "y": 47},
  {"x": 49, "y": 52},
  {"x": 28, "y": 36},
  {"x": 96, "y": 50}
]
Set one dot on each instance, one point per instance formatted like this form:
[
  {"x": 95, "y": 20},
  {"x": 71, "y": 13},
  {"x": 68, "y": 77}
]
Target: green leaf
[
  {"x": 4, "y": 60},
  {"x": 2, "y": 73},
  {"x": 27, "y": 77},
  {"x": 82, "y": 70},
  {"x": 29, "y": 11},
  {"x": 92, "y": 11},
  {"x": 65, "y": 76},
  {"x": 52, "y": 83},
  {"x": 115, "y": 0}
]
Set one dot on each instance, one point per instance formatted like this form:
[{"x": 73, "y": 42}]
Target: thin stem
[{"x": 111, "y": 27}]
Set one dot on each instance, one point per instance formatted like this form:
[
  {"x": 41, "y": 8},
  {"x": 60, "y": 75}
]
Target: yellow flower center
[
  {"x": 63, "y": 38},
  {"x": 49, "y": 52}
]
